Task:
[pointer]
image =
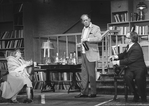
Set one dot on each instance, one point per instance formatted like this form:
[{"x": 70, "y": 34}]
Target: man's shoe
[
  {"x": 92, "y": 95},
  {"x": 81, "y": 96}
]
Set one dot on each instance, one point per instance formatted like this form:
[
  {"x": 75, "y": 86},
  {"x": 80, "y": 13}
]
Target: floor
[{"x": 62, "y": 98}]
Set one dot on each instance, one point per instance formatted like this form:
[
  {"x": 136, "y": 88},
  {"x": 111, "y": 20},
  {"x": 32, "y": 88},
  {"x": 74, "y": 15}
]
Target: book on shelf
[
  {"x": 11, "y": 34},
  {"x": 15, "y": 43},
  {"x": 65, "y": 76},
  {"x": 116, "y": 20},
  {"x": 34, "y": 84},
  {"x": 78, "y": 76},
  {"x": 36, "y": 77},
  {"x": 20, "y": 7},
  {"x": 120, "y": 17},
  {"x": 123, "y": 30},
  {"x": 3, "y": 65},
  {"x": 8, "y": 53},
  {"x": 42, "y": 76},
  {"x": 4, "y": 34},
  {"x": 18, "y": 33},
  {"x": 126, "y": 17},
  {"x": 2, "y": 54},
  {"x": 142, "y": 30}
]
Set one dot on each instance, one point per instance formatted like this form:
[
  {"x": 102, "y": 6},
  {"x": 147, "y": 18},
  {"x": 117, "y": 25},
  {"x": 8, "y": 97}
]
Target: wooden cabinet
[
  {"x": 119, "y": 5},
  {"x": 120, "y": 10},
  {"x": 16, "y": 29}
]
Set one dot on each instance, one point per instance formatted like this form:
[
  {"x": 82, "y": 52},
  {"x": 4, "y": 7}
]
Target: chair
[
  {"x": 3, "y": 78},
  {"x": 119, "y": 72},
  {"x": 145, "y": 47}
]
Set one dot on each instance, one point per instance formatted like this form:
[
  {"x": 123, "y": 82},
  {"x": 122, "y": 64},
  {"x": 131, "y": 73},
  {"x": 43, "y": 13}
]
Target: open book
[
  {"x": 105, "y": 33},
  {"x": 115, "y": 49}
]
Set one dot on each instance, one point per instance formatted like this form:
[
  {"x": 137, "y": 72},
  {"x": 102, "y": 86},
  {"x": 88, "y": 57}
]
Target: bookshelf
[
  {"x": 15, "y": 28},
  {"x": 3, "y": 64},
  {"x": 121, "y": 9},
  {"x": 120, "y": 16},
  {"x": 39, "y": 78}
]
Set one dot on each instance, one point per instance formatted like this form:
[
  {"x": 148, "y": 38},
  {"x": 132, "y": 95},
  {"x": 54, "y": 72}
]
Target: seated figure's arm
[{"x": 20, "y": 68}]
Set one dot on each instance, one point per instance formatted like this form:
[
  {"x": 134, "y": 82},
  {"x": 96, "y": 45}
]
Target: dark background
[{"x": 63, "y": 16}]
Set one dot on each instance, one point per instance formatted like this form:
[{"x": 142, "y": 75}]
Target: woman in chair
[{"x": 17, "y": 78}]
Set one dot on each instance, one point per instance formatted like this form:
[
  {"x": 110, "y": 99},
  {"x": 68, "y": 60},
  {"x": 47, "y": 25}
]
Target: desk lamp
[
  {"x": 141, "y": 6},
  {"x": 46, "y": 46}
]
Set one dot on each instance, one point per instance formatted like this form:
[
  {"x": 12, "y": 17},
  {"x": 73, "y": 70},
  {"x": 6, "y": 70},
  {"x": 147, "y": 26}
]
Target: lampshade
[
  {"x": 141, "y": 6},
  {"x": 47, "y": 45}
]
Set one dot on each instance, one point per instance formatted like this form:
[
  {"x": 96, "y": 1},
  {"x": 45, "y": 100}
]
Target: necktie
[{"x": 127, "y": 47}]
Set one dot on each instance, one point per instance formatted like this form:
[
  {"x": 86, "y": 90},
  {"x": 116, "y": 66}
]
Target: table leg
[
  {"x": 126, "y": 92},
  {"x": 115, "y": 87},
  {"x": 74, "y": 83},
  {"x": 48, "y": 83}
]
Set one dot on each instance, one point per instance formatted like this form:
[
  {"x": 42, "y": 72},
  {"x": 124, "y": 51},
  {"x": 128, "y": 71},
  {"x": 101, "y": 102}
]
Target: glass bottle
[
  {"x": 70, "y": 59},
  {"x": 64, "y": 59},
  {"x": 74, "y": 59},
  {"x": 57, "y": 58}
]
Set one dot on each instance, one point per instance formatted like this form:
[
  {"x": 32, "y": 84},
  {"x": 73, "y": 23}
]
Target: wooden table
[{"x": 60, "y": 69}]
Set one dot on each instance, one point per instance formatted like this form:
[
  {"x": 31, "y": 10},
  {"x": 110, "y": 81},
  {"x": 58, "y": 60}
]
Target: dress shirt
[
  {"x": 85, "y": 35},
  {"x": 129, "y": 46}
]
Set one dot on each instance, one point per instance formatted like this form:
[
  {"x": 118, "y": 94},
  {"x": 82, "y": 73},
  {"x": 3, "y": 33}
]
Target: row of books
[
  {"x": 39, "y": 80},
  {"x": 39, "y": 76},
  {"x": 38, "y": 84},
  {"x": 18, "y": 7},
  {"x": 59, "y": 79},
  {"x": 11, "y": 44},
  {"x": 121, "y": 17},
  {"x": 66, "y": 76},
  {"x": 142, "y": 30},
  {"x": 62, "y": 86},
  {"x": 11, "y": 34},
  {"x": 3, "y": 65},
  {"x": 60, "y": 76},
  {"x": 123, "y": 30},
  {"x": 58, "y": 86}
]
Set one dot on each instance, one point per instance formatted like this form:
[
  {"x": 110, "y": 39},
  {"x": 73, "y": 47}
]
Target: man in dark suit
[
  {"x": 136, "y": 68},
  {"x": 91, "y": 35}
]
